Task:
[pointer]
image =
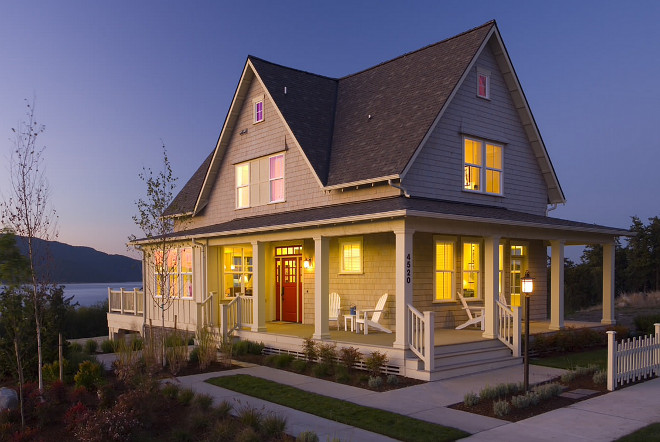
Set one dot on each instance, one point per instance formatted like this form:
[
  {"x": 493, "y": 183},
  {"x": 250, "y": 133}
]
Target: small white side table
[{"x": 349, "y": 318}]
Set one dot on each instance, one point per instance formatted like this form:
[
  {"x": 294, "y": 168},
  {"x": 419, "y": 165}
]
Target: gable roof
[
  {"x": 184, "y": 202},
  {"x": 369, "y": 126}
]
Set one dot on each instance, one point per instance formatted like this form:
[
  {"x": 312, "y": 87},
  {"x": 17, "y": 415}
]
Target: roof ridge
[
  {"x": 290, "y": 68},
  {"x": 491, "y": 22}
]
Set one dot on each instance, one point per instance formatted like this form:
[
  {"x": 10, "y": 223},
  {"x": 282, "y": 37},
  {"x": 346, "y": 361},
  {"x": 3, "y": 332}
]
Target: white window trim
[
  {"x": 270, "y": 197},
  {"x": 351, "y": 240},
  {"x": 485, "y": 73},
  {"x": 256, "y": 100},
  {"x": 444, "y": 239},
  {"x": 179, "y": 276},
  {"x": 482, "y": 167},
  {"x": 480, "y": 288}
]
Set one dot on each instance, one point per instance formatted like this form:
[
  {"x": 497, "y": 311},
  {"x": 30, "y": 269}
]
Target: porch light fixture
[
  {"x": 307, "y": 263},
  {"x": 527, "y": 283}
]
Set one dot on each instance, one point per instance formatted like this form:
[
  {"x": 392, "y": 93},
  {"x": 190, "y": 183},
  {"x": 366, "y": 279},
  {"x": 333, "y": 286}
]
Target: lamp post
[{"x": 527, "y": 289}]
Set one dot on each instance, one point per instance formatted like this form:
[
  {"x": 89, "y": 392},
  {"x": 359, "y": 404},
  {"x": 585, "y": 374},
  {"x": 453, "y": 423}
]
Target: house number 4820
[{"x": 408, "y": 269}]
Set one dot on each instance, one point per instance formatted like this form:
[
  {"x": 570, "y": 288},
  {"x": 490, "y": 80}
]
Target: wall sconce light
[{"x": 307, "y": 263}]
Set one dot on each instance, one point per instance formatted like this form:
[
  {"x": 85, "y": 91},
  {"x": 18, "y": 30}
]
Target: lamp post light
[{"x": 527, "y": 289}]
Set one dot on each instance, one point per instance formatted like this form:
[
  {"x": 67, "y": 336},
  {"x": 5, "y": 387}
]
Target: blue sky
[{"x": 113, "y": 79}]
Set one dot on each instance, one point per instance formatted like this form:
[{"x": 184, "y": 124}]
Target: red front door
[{"x": 289, "y": 289}]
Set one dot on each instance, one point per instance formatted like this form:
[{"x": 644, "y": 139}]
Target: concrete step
[
  {"x": 470, "y": 357},
  {"x": 448, "y": 372}
]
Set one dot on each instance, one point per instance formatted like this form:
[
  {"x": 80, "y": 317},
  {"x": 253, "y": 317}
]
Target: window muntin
[
  {"x": 444, "y": 270},
  {"x": 237, "y": 269},
  {"x": 242, "y": 185},
  {"x": 350, "y": 252},
  {"x": 276, "y": 178},
  {"x": 177, "y": 273},
  {"x": 471, "y": 269},
  {"x": 474, "y": 171},
  {"x": 258, "y": 111}
]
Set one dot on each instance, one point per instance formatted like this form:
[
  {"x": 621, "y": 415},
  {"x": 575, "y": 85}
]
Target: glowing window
[
  {"x": 471, "y": 269},
  {"x": 518, "y": 253},
  {"x": 174, "y": 277},
  {"x": 242, "y": 185},
  {"x": 276, "y": 178},
  {"x": 350, "y": 251},
  {"x": 444, "y": 270},
  {"x": 476, "y": 172},
  {"x": 259, "y": 111}
]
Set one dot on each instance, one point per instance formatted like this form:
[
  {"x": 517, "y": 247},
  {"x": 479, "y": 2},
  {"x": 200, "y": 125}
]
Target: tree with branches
[{"x": 28, "y": 213}]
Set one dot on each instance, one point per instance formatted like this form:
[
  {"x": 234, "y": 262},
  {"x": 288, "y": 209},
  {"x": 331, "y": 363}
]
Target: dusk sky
[{"x": 113, "y": 79}]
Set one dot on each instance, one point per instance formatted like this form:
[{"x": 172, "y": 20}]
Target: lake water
[{"x": 92, "y": 293}]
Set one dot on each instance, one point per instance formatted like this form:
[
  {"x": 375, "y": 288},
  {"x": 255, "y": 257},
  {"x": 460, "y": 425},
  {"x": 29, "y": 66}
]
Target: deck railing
[
  {"x": 205, "y": 310},
  {"x": 421, "y": 336},
  {"x": 632, "y": 359},
  {"x": 126, "y": 302},
  {"x": 236, "y": 314},
  {"x": 508, "y": 327}
]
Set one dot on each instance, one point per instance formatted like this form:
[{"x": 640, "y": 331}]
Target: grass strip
[
  {"x": 646, "y": 434},
  {"x": 571, "y": 360},
  {"x": 383, "y": 422}
]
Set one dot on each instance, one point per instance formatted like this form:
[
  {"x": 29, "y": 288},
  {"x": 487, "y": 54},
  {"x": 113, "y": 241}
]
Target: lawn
[
  {"x": 569, "y": 361},
  {"x": 378, "y": 421},
  {"x": 650, "y": 433}
]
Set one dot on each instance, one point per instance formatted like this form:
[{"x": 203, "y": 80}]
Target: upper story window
[
  {"x": 258, "y": 105},
  {"x": 350, "y": 252},
  {"x": 444, "y": 270},
  {"x": 260, "y": 181},
  {"x": 479, "y": 175},
  {"x": 483, "y": 84}
]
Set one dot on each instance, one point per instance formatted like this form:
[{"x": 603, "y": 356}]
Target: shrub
[
  {"x": 327, "y": 353},
  {"x": 341, "y": 374},
  {"x": 75, "y": 348},
  {"x": 350, "y": 356},
  {"x": 283, "y": 360},
  {"x": 75, "y": 415},
  {"x": 127, "y": 363},
  {"x": 375, "y": 382},
  {"x": 90, "y": 346},
  {"x": 51, "y": 372},
  {"x": 241, "y": 348},
  {"x": 298, "y": 365},
  {"x": 250, "y": 416},
  {"x": 177, "y": 355},
  {"x": 644, "y": 324},
  {"x": 108, "y": 346},
  {"x": 206, "y": 348},
  {"x": 501, "y": 408},
  {"x": 310, "y": 350},
  {"x": 600, "y": 377},
  {"x": 90, "y": 375},
  {"x": 470, "y": 399},
  {"x": 307, "y": 436},
  {"x": 204, "y": 401},
  {"x": 193, "y": 357},
  {"x": 488, "y": 393},
  {"x": 273, "y": 427},
  {"x": 392, "y": 379},
  {"x": 321, "y": 370},
  {"x": 525, "y": 400},
  {"x": 375, "y": 362},
  {"x": 170, "y": 391},
  {"x": 186, "y": 396},
  {"x": 248, "y": 434},
  {"x": 224, "y": 409},
  {"x": 56, "y": 392},
  {"x": 546, "y": 391}
]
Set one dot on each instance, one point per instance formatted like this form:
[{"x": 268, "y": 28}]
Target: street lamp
[{"x": 527, "y": 288}]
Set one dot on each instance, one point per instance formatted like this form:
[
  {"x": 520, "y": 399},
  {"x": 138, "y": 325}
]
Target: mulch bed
[{"x": 485, "y": 408}]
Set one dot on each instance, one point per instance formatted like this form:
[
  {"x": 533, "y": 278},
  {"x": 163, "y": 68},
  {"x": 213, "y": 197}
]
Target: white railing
[
  {"x": 633, "y": 359},
  {"x": 230, "y": 316},
  {"x": 247, "y": 310},
  {"x": 126, "y": 302},
  {"x": 508, "y": 327},
  {"x": 421, "y": 336},
  {"x": 205, "y": 310}
]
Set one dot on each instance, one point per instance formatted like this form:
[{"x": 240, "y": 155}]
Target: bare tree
[
  {"x": 159, "y": 255},
  {"x": 28, "y": 212}
]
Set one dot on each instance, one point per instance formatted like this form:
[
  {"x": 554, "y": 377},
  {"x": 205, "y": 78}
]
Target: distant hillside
[{"x": 83, "y": 264}]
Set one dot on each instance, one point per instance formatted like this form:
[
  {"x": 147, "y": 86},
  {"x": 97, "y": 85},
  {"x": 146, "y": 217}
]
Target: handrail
[
  {"x": 508, "y": 327},
  {"x": 247, "y": 311},
  {"x": 205, "y": 311},
  {"x": 421, "y": 335}
]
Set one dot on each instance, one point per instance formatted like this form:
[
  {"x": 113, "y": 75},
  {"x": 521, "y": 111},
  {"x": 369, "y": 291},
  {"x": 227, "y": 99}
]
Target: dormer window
[
  {"x": 483, "y": 84},
  {"x": 258, "y": 106},
  {"x": 480, "y": 177}
]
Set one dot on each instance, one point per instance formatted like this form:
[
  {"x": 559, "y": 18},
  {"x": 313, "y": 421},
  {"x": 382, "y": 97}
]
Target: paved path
[{"x": 603, "y": 418}]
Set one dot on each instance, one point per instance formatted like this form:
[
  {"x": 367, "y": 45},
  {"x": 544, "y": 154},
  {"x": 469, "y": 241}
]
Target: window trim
[
  {"x": 483, "y": 168},
  {"x": 255, "y": 112},
  {"x": 175, "y": 275},
  {"x": 445, "y": 240},
  {"x": 346, "y": 241},
  {"x": 486, "y": 74}
]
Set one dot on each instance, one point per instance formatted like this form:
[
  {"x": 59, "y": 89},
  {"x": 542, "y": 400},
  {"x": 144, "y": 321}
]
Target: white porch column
[
  {"x": 557, "y": 283},
  {"x": 321, "y": 287},
  {"x": 404, "y": 284},
  {"x": 258, "y": 287},
  {"x": 491, "y": 285},
  {"x": 608, "y": 284}
]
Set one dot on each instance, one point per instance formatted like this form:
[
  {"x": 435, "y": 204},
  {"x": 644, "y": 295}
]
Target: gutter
[{"x": 405, "y": 192}]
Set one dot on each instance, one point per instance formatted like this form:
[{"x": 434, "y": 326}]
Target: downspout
[
  {"x": 550, "y": 209},
  {"x": 405, "y": 192}
]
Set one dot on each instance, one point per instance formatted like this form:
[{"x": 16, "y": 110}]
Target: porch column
[
  {"x": 404, "y": 284},
  {"x": 491, "y": 285},
  {"x": 557, "y": 282},
  {"x": 258, "y": 287},
  {"x": 608, "y": 285},
  {"x": 321, "y": 287}
]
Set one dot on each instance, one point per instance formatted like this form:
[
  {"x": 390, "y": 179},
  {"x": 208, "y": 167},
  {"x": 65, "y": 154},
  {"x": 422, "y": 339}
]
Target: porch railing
[
  {"x": 205, "y": 310},
  {"x": 508, "y": 327},
  {"x": 235, "y": 314},
  {"x": 632, "y": 359},
  {"x": 126, "y": 302},
  {"x": 247, "y": 311},
  {"x": 421, "y": 336}
]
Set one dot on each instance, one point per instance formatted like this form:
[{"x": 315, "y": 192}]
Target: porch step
[{"x": 448, "y": 372}]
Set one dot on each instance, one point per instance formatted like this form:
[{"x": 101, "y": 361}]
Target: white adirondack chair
[
  {"x": 335, "y": 308},
  {"x": 475, "y": 314},
  {"x": 363, "y": 317}
]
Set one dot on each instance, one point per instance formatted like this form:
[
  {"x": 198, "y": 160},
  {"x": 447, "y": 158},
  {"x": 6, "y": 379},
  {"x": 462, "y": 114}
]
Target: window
[
  {"x": 260, "y": 181},
  {"x": 176, "y": 274},
  {"x": 238, "y": 267},
  {"x": 471, "y": 269},
  {"x": 258, "y": 110},
  {"x": 350, "y": 252},
  {"x": 276, "y": 178},
  {"x": 483, "y": 84},
  {"x": 517, "y": 262},
  {"x": 501, "y": 262},
  {"x": 444, "y": 270},
  {"x": 475, "y": 173}
]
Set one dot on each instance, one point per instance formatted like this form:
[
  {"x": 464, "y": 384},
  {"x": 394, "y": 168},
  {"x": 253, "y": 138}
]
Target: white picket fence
[{"x": 632, "y": 359}]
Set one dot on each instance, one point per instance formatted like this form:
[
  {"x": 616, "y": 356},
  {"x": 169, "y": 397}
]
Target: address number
[{"x": 408, "y": 269}]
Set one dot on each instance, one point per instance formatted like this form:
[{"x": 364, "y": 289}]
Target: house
[{"x": 424, "y": 177}]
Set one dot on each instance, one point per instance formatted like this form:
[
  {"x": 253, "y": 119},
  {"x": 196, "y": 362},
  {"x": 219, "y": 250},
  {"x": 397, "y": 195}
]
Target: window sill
[
  {"x": 444, "y": 301},
  {"x": 351, "y": 273},
  {"x": 479, "y": 192}
]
